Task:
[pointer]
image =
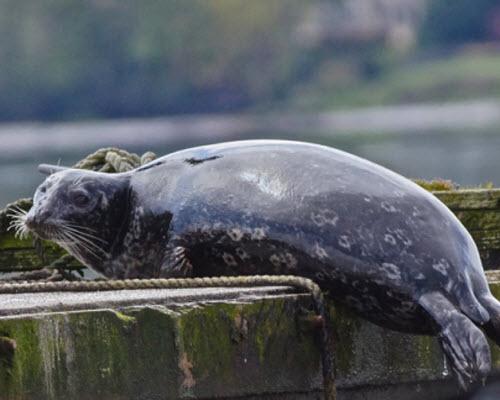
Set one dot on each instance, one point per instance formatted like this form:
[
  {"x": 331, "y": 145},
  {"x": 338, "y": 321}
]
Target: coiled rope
[{"x": 112, "y": 159}]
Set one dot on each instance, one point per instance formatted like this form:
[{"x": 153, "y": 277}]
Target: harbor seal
[{"x": 377, "y": 242}]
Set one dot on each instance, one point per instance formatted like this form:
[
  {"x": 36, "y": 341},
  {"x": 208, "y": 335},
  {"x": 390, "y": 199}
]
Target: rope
[
  {"x": 223, "y": 281},
  {"x": 112, "y": 159},
  {"x": 160, "y": 283}
]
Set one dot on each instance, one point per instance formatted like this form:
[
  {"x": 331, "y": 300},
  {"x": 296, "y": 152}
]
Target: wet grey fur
[{"x": 376, "y": 241}]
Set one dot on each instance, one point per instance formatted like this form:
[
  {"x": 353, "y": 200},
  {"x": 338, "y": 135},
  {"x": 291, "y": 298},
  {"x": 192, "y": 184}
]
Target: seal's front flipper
[
  {"x": 463, "y": 343},
  {"x": 176, "y": 263}
]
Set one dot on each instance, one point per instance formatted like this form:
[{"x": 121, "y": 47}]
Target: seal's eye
[{"x": 80, "y": 199}]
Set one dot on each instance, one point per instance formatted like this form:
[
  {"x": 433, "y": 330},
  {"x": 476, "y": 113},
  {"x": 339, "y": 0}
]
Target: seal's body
[{"x": 376, "y": 241}]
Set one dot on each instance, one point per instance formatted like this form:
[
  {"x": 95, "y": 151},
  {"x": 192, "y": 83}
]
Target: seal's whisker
[
  {"x": 68, "y": 226},
  {"x": 72, "y": 249},
  {"x": 69, "y": 245},
  {"x": 17, "y": 210},
  {"x": 88, "y": 241},
  {"x": 14, "y": 225},
  {"x": 86, "y": 234},
  {"x": 75, "y": 244},
  {"x": 78, "y": 239},
  {"x": 83, "y": 228},
  {"x": 84, "y": 231},
  {"x": 20, "y": 232},
  {"x": 18, "y": 223},
  {"x": 15, "y": 214}
]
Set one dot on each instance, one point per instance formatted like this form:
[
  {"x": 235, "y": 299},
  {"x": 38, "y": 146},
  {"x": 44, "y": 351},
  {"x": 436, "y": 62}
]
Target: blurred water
[{"x": 467, "y": 156}]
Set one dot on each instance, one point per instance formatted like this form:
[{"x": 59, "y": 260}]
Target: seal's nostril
[
  {"x": 34, "y": 219},
  {"x": 30, "y": 220},
  {"x": 43, "y": 216}
]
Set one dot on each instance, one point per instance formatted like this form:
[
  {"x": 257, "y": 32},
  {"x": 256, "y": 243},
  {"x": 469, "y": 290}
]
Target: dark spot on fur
[{"x": 196, "y": 161}]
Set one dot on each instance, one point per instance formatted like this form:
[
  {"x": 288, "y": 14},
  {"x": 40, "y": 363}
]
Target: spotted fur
[{"x": 377, "y": 242}]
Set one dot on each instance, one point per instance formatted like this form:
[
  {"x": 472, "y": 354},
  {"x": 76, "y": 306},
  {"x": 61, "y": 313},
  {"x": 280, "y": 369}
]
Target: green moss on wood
[
  {"x": 22, "y": 377},
  {"x": 211, "y": 350},
  {"x": 88, "y": 355},
  {"x": 226, "y": 348},
  {"x": 470, "y": 199},
  {"x": 480, "y": 220},
  {"x": 21, "y": 255},
  {"x": 487, "y": 240},
  {"x": 436, "y": 184}
]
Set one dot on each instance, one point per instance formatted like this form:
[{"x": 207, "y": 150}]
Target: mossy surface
[
  {"x": 470, "y": 199},
  {"x": 234, "y": 350},
  {"x": 368, "y": 354},
  {"x": 88, "y": 355},
  {"x": 20, "y": 254},
  {"x": 154, "y": 352},
  {"x": 436, "y": 184},
  {"x": 212, "y": 350},
  {"x": 480, "y": 220}
]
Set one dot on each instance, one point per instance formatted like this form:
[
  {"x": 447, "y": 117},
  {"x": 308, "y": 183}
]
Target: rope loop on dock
[{"x": 164, "y": 283}]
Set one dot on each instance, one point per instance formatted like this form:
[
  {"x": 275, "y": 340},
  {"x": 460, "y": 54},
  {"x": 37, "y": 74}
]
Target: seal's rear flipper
[{"x": 464, "y": 345}]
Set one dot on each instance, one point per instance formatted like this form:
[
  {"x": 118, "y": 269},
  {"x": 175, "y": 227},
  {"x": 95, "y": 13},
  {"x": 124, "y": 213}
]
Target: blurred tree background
[{"x": 62, "y": 60}]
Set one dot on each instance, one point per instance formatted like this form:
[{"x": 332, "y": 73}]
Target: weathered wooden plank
[
  {"x": 27, "y": 259},
  {"x": 207, "y": 344},
  {"x": 470, "y": 199},
  {"x": 479, "y": 220},
  {"x": 487, "y": 240},
  {"x": 116, "y": 345},
  {"x": 21, "y": 255}
]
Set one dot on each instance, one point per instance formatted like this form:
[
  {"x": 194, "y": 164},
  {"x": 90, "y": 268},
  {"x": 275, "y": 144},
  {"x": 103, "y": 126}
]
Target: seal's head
[{"x": 82, "y": 211}]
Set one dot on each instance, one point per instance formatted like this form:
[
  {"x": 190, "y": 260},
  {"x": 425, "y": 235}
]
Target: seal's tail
[{"x": 463, "y": 343}]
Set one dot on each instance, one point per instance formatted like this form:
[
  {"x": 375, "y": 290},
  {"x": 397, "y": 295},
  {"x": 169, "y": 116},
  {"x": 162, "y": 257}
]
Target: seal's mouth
[
  {"x": 24, "y": 223},
  {"x": 43, "y": 231}
]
